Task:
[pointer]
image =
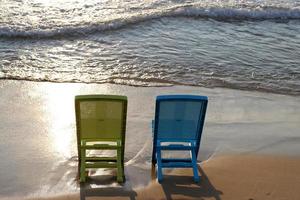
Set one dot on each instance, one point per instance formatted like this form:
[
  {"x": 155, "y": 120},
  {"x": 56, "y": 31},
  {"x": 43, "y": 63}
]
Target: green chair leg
[
  {"x": 120, "y": 175},
  {"x": 82, "y": 166},
  {"x": 123, "y": 173}
]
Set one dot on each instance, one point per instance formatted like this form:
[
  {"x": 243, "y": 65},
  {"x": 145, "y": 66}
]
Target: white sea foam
[{"x": 217, "y": 13}]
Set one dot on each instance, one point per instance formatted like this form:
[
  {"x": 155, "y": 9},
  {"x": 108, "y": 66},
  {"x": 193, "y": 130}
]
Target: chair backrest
[
  {"x": 101, "y": 117},
  {"x": 179, "y": 117}
]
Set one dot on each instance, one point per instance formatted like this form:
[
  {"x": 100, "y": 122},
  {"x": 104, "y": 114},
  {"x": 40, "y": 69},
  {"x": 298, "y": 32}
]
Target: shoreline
[
  {"x": 37, "y": 119},
  {"x": 159, "y": 85}
]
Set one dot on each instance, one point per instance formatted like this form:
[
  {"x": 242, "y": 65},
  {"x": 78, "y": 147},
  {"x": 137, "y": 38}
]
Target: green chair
[{"x": 101, "y": 125}]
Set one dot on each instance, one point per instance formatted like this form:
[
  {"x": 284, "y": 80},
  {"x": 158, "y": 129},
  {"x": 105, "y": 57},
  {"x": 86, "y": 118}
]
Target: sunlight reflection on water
[
  {"x": 58, "y": 112},
  {"x": 60, "y": 115}
]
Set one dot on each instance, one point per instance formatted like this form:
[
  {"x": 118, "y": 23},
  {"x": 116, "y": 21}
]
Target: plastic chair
[
  {"x": 101, "y": 125},
  {"x": 178, "y": 126}
]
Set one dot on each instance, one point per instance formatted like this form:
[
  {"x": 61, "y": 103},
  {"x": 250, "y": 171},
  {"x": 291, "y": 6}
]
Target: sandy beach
[
  {"x": 227, "y": 177},
  {"x": 249, "y": 149}
]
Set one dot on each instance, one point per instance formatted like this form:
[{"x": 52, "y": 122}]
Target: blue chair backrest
[{"x": 179, "y": 117}]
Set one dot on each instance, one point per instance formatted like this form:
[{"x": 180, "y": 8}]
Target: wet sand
[
  {"x": 249, "y": 177},
  {"x": 249, "y": 149}
]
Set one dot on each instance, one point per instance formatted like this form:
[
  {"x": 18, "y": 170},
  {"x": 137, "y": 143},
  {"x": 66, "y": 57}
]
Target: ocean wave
[
  {"x": 217, "y": 13},
  {"x": 255, "y": 13}
]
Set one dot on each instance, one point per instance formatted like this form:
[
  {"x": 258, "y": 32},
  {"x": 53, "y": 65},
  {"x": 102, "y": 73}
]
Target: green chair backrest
[{"x": 101, "y": 117}]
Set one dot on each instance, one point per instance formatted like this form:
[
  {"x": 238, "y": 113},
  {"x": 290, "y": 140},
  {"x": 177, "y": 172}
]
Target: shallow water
[{"x": 249, "y": 45}]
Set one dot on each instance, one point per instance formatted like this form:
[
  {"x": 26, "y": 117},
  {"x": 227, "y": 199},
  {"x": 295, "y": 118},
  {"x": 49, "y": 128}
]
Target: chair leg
[
  {"x": 123, "y": 173},
  {"x": 154, "y": 157},
  {"x": 122, "y": 162},
  {"x": 82, "y": 165},
  {"x": 159, "y": 165},
  {"x": 195, "y": 168},
  {"x": 120, "y": 170}
]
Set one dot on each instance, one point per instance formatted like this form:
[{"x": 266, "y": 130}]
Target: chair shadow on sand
[
  {"x": 103, "y": 186},
  {"x": 185, "y": 186},
  {"x": 179, "y": 185}
]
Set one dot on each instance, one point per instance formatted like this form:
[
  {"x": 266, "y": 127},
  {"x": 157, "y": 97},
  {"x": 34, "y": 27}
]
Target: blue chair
[{"x": 178, "y": 126}]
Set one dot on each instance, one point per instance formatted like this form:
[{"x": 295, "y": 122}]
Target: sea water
[{"x": 241, "y": 44}]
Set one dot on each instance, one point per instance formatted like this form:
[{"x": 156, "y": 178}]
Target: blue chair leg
[
  {"x": 194, "y": 163},
  {"x": 159, "y": 165}
]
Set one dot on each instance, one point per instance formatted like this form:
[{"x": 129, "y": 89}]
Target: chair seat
[
  {"x": 177, "y": 165},
  {"x": 99, "y": 159},
  {"x": 100, "y": 146},
  {"x": 174, "y": 147},
  {"x": 165, "y": 160},
  {"x": 90, "y": 144},
  {"x": 101, "y": 165}
]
